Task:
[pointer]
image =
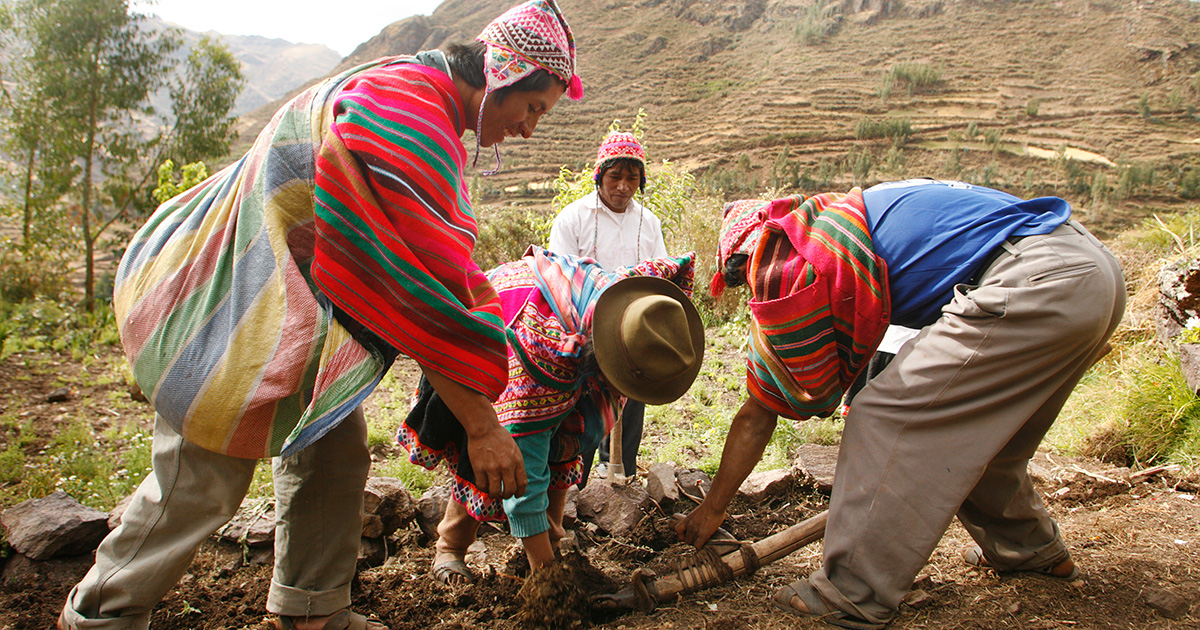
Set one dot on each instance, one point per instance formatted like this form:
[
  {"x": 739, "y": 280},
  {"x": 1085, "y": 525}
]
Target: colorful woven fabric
[
  {"x": 548, "y": 301},
  {"x": 820, "y": 303},
  {"x": 528, "y": 37},
  {"x": 741, "y": 227},
  {"x": 216, "y": 312},
  {"x": 395, "y": 229},
  {"x": 617, "y": 145}
]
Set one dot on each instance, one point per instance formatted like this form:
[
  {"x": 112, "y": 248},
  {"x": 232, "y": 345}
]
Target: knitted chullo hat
[
  {"x": 741, "y": 228},
  {"x": 619, "y": 145},
  {"x": 526, "y": 38}
]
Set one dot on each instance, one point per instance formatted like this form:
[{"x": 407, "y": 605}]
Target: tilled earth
[{"x": 1137, "y": 544}]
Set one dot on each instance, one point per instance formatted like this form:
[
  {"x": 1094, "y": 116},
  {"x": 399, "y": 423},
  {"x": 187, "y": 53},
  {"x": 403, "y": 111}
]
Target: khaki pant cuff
[{"x": 294, "y": 602}]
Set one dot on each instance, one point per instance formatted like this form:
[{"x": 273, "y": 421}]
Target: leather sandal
[
  {"x": 453, "y": 573},
  {"x": 816, "y": 608},
  {"x": 1065, "y": 570},
  {"x": 340, "y": 620}
]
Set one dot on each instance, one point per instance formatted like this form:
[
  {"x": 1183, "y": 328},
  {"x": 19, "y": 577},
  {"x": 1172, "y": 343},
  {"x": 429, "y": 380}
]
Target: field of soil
[
  {"x": 1133, "y": 541},
  {"x": 728, "y": 87}
]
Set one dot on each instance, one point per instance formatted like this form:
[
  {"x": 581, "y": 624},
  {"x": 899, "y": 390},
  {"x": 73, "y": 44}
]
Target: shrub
[
  {"x": 1134, "y": 178},
  {"x": 45, "y": 324},
  {"x": 820, "y": 21},
  {"x": 170, "y": 186},
  {"x": 505, "y": 232},
  {"x": 1143, "y": 107},
  {"x": 39, "y": 270},
  {"x": 916, "y": 76},
  {"x": 860, "y": 164},
  {"x": 897, "y": 129}
]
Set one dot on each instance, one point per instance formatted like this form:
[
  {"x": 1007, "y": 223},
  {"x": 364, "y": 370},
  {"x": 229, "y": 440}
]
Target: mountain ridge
[{"x": 730, "y": 87}]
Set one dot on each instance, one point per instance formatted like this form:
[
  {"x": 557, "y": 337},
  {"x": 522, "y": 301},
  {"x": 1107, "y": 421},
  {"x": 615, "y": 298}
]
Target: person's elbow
[{"x": 754, "y": 418}]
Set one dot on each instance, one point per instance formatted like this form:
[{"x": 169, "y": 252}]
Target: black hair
[
  {"x": 735, "y": 270},
  {"x": 466, "y": 62},
  {"x": 630, "y": 162}
]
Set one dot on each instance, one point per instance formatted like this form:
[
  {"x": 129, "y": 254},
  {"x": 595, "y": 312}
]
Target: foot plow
[{"x": 720, "y": 561}]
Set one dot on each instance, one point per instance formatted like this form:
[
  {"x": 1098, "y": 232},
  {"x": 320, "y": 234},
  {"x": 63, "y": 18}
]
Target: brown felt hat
[{"x": 648, "y": 338}]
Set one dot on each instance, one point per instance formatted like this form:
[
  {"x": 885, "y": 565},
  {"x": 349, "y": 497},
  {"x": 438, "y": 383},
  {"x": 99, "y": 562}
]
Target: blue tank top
[{"x": 935, "y": 234}]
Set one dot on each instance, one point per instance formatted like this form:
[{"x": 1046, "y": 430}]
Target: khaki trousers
[
  {"x": 192, "y": 492},
  {"x": 949, "y": 427}
]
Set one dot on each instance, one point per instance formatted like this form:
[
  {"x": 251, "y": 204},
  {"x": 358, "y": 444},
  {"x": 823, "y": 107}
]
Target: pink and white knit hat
[
  {"x": 741, "y": 227},
  {"x": 526, "y": 38},
  {"x": 617, "y": 145}
]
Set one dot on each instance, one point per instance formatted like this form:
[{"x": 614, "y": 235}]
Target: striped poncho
[
  {"x": 820, "y": 303},
  {"x": 548, "y": 301},
  {"x": 260, "y": 307}
]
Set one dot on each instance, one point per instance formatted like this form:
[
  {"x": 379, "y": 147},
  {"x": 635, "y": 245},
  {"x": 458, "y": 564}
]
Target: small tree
[{"x": 92, "y": 65}]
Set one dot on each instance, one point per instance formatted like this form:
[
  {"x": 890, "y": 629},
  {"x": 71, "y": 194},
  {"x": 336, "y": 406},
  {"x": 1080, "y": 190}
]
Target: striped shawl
[
  {"x": 819, "y": 303},
  {"x": 220, "y": 308}
]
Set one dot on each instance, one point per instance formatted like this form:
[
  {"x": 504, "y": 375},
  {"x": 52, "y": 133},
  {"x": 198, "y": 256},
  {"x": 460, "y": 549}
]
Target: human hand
[
  {"x": 499, "y": 466},
  {"x": 696, "y": 528}
]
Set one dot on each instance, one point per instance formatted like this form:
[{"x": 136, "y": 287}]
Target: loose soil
[{"x": 1131, "y": 541}]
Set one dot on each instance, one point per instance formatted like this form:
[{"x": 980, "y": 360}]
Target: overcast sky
[{"x": 339, "y": 24}]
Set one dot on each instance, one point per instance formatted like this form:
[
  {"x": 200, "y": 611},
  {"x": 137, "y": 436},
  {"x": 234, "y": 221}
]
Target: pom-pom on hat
[
  {"x": 617, "y": 145},
  {"x": 526, "y": 38}
]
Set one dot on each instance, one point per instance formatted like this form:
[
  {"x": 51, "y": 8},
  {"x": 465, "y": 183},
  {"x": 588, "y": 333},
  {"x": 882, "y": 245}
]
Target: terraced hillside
[{"x": 751, "y": 94}]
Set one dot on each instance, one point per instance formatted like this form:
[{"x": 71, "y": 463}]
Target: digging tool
[
  {"x": 616, "y": 455},
  {"x": 716, "y": 563}
]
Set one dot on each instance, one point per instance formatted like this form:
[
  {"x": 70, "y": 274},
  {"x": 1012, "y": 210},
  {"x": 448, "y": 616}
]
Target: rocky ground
[{"x": 1135, "y": 536}]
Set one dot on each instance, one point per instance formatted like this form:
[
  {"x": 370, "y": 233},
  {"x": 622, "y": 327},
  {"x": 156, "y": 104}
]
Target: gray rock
[
  {"x": 389, "y": 500},
  {"x": 372, "y": 526},
  {"x": 694, "y": 483},
  {"x": 23, "y": 574},
  {"x": 1189, "y": 364},
  {"x": 253, "y": 525},
  {"x": 660, "y": 483},
  {"x": 371, "y": 553},
  {"x": 615, "y": 507},
  {"x": 1178, "y": 309},
  {"x": 571, "y": 509},
  {"x": 763, "y": 485},
  {"x": 1167, "y": 602},
  {"x": 817, "y": 463},
  {"x": 259, "y": 556},
  {"x": 918, "y": 598},
  {"x": 430, "y": 508},
  {"x": 53, "y": 526}
]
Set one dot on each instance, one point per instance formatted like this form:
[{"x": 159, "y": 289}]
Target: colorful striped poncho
[
  {"x": 548, "y": 300},
  {"x": 230, "y": 327},
  {"x": 820, "y": 303}
]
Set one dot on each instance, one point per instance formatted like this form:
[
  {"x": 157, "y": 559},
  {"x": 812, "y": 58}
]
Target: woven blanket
[
  {"x": 820, "y": 303},
  {"x": 548, "y": 303},
  {"x": 395, "y": 229},
  {"x": 225, "y": 327}
]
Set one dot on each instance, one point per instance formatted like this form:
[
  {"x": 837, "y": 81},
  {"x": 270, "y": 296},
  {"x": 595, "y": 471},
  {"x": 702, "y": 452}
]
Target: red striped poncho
[
  {"x": 820, "y": 303},
  {"x": 227, "y": 320},
  {"x": 395, "y": 229}
]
